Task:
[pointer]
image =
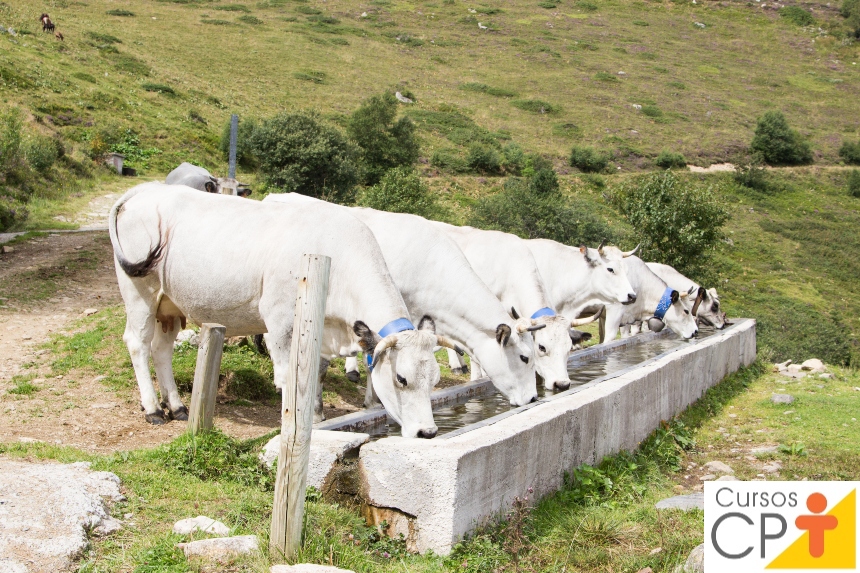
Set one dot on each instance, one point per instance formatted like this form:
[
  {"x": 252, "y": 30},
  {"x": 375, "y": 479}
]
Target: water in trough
[{"x": 451, "y": 417}]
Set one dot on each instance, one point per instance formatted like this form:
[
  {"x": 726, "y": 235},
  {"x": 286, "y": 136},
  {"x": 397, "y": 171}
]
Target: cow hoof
[
  {"x": 180, "y": 414},
  {"x": 156, "y": 419},
  {"x": 319, "y": 418},
  {"x": 353, "y": 376},
  {"x": 460, "y": 371}
]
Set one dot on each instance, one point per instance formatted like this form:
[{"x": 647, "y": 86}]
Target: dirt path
[{"x": 46, "y": 284}]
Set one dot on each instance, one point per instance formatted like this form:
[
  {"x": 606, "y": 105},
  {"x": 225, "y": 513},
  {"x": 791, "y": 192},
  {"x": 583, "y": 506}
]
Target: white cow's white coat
[
  {"x": 709, "y": 310},
  {"x": 235, "y": 262},
  {"x": 435, "y": 279}
]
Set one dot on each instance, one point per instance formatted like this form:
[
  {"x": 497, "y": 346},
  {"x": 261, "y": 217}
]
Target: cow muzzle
[
  {"x": 631, "y": 298},
  {"x": 428, "y": 433}
]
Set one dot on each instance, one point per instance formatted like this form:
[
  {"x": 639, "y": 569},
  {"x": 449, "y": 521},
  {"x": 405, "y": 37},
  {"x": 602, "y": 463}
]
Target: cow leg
[
  {"x": 457, "y": 363},
  {"x": 138, "y": 335},
  {"x": 370, "y": 397},
  {"x": 351, "y": 368},
  {"x": 625, "y": 331},
  {"x": 614, "y": 315},
  {"x": 162, "y": 356},
  {"x": 319, "y": 415},
  {"x": 477, "y": 371}
]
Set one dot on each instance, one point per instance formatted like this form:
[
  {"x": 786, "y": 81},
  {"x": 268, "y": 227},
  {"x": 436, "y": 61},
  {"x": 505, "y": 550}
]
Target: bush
[
  {"x": 669, "y": 160},
  {"x": 797, "y": 15},
  {"x": 850, "y": 153},
  {"x": 777, "y": 143},
  {"x": 42, "y": 152},
  {"x": 484, "y": 159},
  {"x": 652, "y": 111},
  {"x": 513, "y": 158},
  {"x": 851, "y": 12},
  {"x": 751, "y": 173},
  {"x": 11, "y": 212},
  {"x": 400, "y": 191},
  {"x": 244, "y": 152},
  {"x": 588, "y": 159},
  {"x": 544, "y": 182},
  {"x": 158, "y": 88},
  {"x": 449, "y": 159},
  {"x": 119, "y": 12},
  {"x": 678, "y": 224},
  {"x": 854, "y": 183},
  {"x": 524, "y": 209},
  {"x": 384, "y": 142},
  {"x": 11, "y": 135},
  {"x": 299, "y": 153},
  {"x": 535, "y": 106}
]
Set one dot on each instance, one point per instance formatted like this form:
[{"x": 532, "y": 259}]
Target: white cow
[
  {"x": 504, "y": 262},
  {"x": 435, "y": 278},
  {"x": 177, "y": 257},
  {"x": 707, "y": 307},
  {"x": 654, "y": 299}
]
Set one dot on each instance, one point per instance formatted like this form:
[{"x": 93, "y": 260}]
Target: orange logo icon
[{"x": 816, "y": 525}]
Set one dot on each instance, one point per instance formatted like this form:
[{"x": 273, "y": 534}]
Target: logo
[{"x": 786, "y": 527}]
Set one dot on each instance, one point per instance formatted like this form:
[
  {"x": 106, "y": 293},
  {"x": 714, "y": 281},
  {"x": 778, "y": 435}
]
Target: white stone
[
  {"x": 220, "y": 547},
  {"x": 719, "y": 468},
  {"x": 764, "y": 450},
  {"x": 813, "y": 365},
  {"x": 727, "y": 478},
  {"x": 200, "y": 523},
  {"x": 685, "y": 502},
  {"x": 90, "y": 311},
  {"x": 47, "y": 510},
  {"x": 327, "y": 449},
  {"x": 782, "y": 398},
  {"x": 826, "y": 376},
  {"x": 772, "y": 467},
  {"x": 707, "y": 477},
  {"x": 190, "y": 336},
  {"x": 696, "y": 560},
  {"x": 402, "y": 98},
  {"x": 307, "y": 568}
]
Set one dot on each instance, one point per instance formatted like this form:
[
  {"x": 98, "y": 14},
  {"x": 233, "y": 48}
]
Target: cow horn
[
  {"x": 699, "y": 299},
  {"x": 524, "y": 326},
  {"x": 582, "y": 321},
  {"x": 384, "y": 344},
  {"x": 447, "y": 343},
  {"x": 600, "y": 248},
  {"x": 682, "y": 295},
  {"x": 626, "y": 254}
]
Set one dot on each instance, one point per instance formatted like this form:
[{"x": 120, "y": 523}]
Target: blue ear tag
[
  {"x": 664, "y": 304},
  {"x": 545, "y": 311},
  {"x": 393, "y": 327}
]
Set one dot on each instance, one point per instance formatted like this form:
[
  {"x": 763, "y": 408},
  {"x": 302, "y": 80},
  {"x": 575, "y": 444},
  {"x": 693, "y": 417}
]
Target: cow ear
[
  {"x": 584, "y": 250},
  {"x": 426, "y": 323},
  {"x": 210, "y": 187},
  {"x": 514, "y": 313},
  {"x": 367, "y": 339},
  {"x": 675, "y": 296},
  {"x": 503, "y": 334}
]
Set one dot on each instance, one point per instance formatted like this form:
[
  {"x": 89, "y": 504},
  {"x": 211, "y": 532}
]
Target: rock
[
  {"x": 826, "y": 376},
  {"x": 718, "y": 468},
  {"x": 707, "y": 477},
  {"x": 402, "y": 98},
  {"x": 189, "y": 336},
  {"x": 764, "y": 450},
  {"x": 90, "y": 311},
  {"x": 795, "y": 375},
  {"x": 327, "y": 449},
  {"x": 364, "y": 14},
  {"x": 237, "y": 341},
  {"x": 47, "y": 511},
  {"x": 772, "y": 467},
  {"x": 696, "y": 561},
  {"x": 646, "y": 570},
  {"x": 200, "y": 523},
  {"x": 684, "y": 502},
  {"x": 636, "y": 106},
  {"x": 220, "y": 547},
  {"x": 782, "y": 398},
  {"x": 307, "y": 568},
  {"x": 7, "y": 249},
  {"x": 813, "y": 365},
  {"x": 727, "y": 478}
]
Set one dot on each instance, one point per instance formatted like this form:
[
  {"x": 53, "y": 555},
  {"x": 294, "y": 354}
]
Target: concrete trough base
[{"x": 436, "y": 491}]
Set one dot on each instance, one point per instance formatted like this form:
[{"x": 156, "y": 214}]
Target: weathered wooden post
[
  {"x": 297, "y": 406},
  {"x": 206, "y": 378}
]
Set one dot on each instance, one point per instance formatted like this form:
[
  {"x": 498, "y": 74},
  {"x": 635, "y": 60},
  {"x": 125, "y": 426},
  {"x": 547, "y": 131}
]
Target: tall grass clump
[
  {"x": 777, "y": 143},
  {"x": 850, "y": 10},
  {"x": 850, "y": 152},
  {"x": 299, "y": 153},
  {"x": 678, "y": 223},
  {"x": 670, "y": 160},
  {"x": 854, "y": 183},
  {"x": 401, "y": 190},
  {"x": 384, "y": 141},
  {"x": 588, "y": 159},
  {"x": 797, "y": 15},
  {"x": 751, "y": 173}
]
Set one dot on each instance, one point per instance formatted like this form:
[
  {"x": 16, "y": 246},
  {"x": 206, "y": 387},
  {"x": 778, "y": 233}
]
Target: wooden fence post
[
  {"x": 297, "y": 406},
  {"x": 206, "y": 378}
]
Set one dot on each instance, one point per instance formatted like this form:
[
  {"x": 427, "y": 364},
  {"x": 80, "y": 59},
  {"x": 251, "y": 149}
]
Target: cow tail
[{"x": 145, "y": 266}]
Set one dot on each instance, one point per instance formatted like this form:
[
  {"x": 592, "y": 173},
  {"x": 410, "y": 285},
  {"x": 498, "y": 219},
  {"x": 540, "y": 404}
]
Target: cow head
[
  {"x": 509, "y": 361},
  {"x": 403, "y": 372},
  {"x": 679, "y": 316},
  {"x": 709, "y": 312},
  {"x": 608, "y": 280}
]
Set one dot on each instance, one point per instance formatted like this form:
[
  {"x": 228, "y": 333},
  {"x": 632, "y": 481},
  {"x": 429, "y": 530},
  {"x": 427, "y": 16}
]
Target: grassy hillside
[{"x": 173, "y": 71}]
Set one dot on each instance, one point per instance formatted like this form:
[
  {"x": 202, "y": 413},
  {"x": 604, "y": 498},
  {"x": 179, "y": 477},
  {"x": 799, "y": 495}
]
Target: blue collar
[
  {"x": 664, "y": 304},
  {"x": 545, "y": 311},
  {"x": 393, "y": 327}
]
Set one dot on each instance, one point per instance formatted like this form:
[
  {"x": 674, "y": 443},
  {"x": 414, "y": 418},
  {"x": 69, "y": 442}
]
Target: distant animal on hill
[
  {"x": 59, "y": 36},
  {"x": 47, "y": 25}
]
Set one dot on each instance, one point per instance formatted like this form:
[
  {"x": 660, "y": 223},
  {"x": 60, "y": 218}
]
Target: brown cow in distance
[{"x": 47, "y": 25}]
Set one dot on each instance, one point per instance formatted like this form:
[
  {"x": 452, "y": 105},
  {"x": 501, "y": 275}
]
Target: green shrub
[
  {"x": 244, "y": 151},
  {"x": 450, "y": 160},
  {"x": 104, "y": 38},
  {"x": 521, "y": 208},
  {"x": 384, "y": 142},
  {"x": 84, "y": 76},
  {"x": 11, "y": 138},
  {"x": 299, "y": 153},
  {"x": 797, "y": 15},
  {"x": 248, "y": 19},
  {"x": 678, "y": 224},
  {"x": 484, "y": 159},
  {"x": 751, "y": 173},
  {"x": 652, "y": 111},
  {"x": 11, "y": 212},
  {"x": 850, "y": 153},
  {"x": 586, "y": 5},
  {"x": 130, "y": 65},
  {"x": 777, "y": 143},
  {"x": 669, "y": 160},
  {"x": 544, "y": 182},
  {"x": 119, "y": 12},
  {"x": 233, "y": 8},
  {"x": 547, "y": 5},
  {"x": 158, "y": 88},
  {"x": 128, "y": 144},
  {"x": 850, "y": 10},
  {"x": 854, "y": 183},
  {"x": 310, "y": 76},
  {"x": 535, "y": 106},
  {"x": 588, "y": 159},
  {"x": 42, "y": 152},
  {"x": 400, "y": 191},
  {"x": 513, "y": 158},
  {"x": 484, "y": 88},
  {"x": 605, "y": 77}
]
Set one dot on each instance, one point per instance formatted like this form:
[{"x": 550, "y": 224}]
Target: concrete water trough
[{"x": 435, "y": 491}]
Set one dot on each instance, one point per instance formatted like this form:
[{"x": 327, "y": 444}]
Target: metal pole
[
  {"x": 297, "y": 406},
  {"x": 234, "y": 136}
]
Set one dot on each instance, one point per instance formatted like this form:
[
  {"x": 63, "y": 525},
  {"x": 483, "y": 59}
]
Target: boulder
[
  {"x": 813, "y": 365},
  {"x": 327, "y": 449},
  {"x": 190, "y": 336},
  {"x": 772, "y": 467},
  {"x": 782, "y": 398},
  {"x": 696, "y": 560},
  {"x": 727, "y": 478},
  {"x": 200, "y": 523},
  {"x": 718, "y": 468},
  {"x": 683, "y": 502},
  {"x": 307, "y": 568},
  {"x": 708, "y": 477},
  {"x": 220, "y": 547}
]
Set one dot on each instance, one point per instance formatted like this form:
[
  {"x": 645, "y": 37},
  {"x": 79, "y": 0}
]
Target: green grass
[{"x": 23, "y": 386}]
